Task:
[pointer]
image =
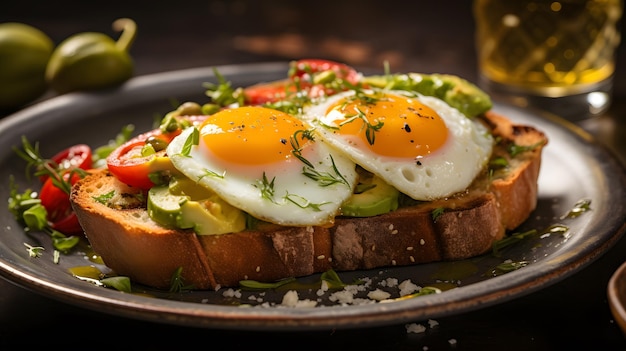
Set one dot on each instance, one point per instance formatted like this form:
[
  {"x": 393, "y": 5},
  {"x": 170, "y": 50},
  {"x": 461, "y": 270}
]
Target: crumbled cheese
[
  {"x": 378, "y": 295},
  {"x": 291, "y": 299},
  {"x": 391, "y": 282},
  {"x": 415, "y": 328},
  {"x": 231, "y": 293},
  {"x": 323, "y": 288},
  {"x": 342, "y": 297},
  {"x": 420, "y": 328},
  {"x": 407, "y": 287}
]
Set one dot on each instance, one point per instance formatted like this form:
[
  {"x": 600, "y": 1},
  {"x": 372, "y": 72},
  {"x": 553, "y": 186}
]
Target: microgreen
[
  {"x": 177, "y": 283},
  {"x": 436, "y": 213},
  {"x": 27, "y": 209},
  {"x": 295, "y": 144},
  {"x": 370, "y": 129},
  {"x": 222, "y": 93},
  {"x": 101, "y": 153},
  {"x": 515, "y": 149},
  {"x": 302, "y": 202},
  {"x": 325, "y": 178},
  {"x": 266, "y": 187}
]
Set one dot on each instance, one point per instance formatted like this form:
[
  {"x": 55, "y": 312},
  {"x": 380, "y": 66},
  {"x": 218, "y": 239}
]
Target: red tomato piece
[
  {"x": 128, "y": 165},
  {"x": 58, "y": 206},
  {"x": 259, "y": 94},
  {"x": 306, "y": 67},
  {"x": 68, "y": 225},
  {"x": 77, "y": 156}
]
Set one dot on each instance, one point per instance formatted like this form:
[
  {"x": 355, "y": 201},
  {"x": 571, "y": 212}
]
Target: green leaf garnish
[
  {"x": 104, "y": 198},
  {"x": 120, "y": 283},
  {"x": 436, "y": 213},
  {"x": 253, "y": 284},
  {"x": 192, "y": 140}
]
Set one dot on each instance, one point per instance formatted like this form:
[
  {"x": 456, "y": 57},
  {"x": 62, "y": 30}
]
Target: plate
[{"x": 574, "y": 168}]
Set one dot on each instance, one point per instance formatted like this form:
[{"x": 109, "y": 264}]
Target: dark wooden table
[{"x": 428, "y": 37}]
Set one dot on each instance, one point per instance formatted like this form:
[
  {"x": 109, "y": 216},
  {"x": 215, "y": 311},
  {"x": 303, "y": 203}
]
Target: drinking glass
[{"x": 555, "y": 55}]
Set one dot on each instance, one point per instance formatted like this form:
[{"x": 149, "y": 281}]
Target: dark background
[{"x": 361, "y": 33}]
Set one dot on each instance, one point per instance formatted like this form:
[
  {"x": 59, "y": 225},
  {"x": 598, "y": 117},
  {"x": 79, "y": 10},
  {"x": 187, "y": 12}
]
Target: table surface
[{"x": 432, "y": 37}]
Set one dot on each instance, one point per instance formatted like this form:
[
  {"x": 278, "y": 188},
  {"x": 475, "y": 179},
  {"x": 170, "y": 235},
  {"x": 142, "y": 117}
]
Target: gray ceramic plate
[{"x": 575, "y": 167}]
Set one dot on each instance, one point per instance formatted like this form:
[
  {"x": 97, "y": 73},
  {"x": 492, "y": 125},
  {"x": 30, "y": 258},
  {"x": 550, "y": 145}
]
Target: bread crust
[{"x": 131, "y": 244}]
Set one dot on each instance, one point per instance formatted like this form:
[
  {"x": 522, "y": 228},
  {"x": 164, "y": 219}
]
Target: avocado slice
[
  {"x": 455, "y": 91},
  {"x": 186, "y": 205},
  {"x": 372, "y": 196}
]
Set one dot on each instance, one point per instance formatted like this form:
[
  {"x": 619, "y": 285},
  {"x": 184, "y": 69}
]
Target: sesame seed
[
  {"x": 412, "y": 258},
  {"x": 409, "y": 248},
  {"x": 321, "y": 257},
  {"x": 393, "y": 262},
  {"x": 258, "y": 268},
  {"x": 422, "y": 242}
]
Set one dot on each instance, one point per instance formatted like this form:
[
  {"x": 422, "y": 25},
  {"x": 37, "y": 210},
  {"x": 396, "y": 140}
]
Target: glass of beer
[{"x": 557, "y": 55}]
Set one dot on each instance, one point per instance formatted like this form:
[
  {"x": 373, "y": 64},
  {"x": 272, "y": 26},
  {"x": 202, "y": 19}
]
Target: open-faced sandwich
[{"x": 326, "y": 169}]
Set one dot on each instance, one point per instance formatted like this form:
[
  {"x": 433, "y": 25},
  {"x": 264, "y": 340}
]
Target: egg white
[
  {"x": 297, "y": 200},
  {"x": 448, "y": 170}
]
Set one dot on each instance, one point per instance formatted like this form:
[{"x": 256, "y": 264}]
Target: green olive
[
  {"x": 24, "y": 54},
  {"x": 90, "y": 61}
]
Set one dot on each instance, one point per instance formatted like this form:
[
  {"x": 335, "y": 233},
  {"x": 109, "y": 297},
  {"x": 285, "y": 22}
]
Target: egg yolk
[
  {"x": 390, "y": 125},
  {"x": 251, "y": 135}
]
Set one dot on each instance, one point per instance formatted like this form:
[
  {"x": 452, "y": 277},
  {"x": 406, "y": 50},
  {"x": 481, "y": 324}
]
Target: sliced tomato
[
  {"x": 262, "y": 93},
  {"x": 128, "y": 164},
  {"x": 57, "y": 204},
  {"x": 76, "y": 156},
  {"x": 306, "y": 68},
  {"x": 68, "y": 225},
  {"x": 300, "y": 78}
]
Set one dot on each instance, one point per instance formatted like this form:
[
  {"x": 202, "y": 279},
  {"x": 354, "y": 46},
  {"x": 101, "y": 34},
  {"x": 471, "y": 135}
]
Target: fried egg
[
  {"x": 267, "y": 163},
  {"x": 418, "y": 144}
]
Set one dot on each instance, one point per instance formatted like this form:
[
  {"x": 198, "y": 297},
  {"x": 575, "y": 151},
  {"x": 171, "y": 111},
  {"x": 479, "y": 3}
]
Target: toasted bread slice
[{"x": 131, "y": 244}]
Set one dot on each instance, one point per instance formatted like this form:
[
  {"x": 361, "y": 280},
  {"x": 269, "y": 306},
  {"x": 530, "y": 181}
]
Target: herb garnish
[
  {"x": 302, "y": 202},
  {"x": 267, "y": 187}
]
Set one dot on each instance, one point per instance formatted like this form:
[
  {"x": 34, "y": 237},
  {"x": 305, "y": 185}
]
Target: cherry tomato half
[
  {"x": 300, "y": 78},
  {"x": 261, "y": 93},
  {"x": 76, "y": 156},
  {"x": 57, "y": 203},
  {"x": 305, "y": 68},
  {"x": 128, "y": 164}
]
